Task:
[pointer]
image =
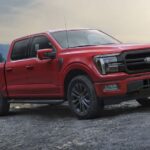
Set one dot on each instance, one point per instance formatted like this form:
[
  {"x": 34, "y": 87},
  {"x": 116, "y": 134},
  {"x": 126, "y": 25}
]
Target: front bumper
[{"x": 128, "y": 89}]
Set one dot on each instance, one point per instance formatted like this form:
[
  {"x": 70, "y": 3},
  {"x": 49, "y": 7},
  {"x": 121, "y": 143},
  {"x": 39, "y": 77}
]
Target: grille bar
[{"x": 137, "y": 61}]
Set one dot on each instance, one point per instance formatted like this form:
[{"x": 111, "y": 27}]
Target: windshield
[{"x": 81, "y": 38}]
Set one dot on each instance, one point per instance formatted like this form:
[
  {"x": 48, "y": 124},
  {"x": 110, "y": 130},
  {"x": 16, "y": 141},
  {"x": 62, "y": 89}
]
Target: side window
[
  {"x": 20, "y": 50},
  {"x": 39, "y": 42}
]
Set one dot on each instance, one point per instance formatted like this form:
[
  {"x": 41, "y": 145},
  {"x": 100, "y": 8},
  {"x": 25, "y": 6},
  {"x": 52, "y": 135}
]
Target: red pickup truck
[{"x": 86, "y": 67}]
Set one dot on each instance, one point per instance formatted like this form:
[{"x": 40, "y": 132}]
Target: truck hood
[{"x": 106, "y": 49}]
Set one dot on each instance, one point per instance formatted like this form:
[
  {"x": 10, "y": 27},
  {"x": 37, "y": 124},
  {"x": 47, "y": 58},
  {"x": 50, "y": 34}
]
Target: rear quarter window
[{"x": 20, "y": 50}]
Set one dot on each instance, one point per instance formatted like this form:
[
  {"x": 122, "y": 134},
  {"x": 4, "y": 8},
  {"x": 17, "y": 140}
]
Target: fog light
[{"x": 111, "y": 87}]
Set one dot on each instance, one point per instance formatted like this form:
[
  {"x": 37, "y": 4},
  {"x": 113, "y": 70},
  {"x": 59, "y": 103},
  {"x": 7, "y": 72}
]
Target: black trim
[{"x": 37, "y": 101}]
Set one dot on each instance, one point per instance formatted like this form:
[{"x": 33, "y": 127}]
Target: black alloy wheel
[{"x": 82, "y": 98}]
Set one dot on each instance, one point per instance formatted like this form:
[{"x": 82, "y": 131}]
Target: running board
[{"x": 37, "y": 101}]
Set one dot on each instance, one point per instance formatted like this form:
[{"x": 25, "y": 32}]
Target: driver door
[{"x": 42, "y": 74}]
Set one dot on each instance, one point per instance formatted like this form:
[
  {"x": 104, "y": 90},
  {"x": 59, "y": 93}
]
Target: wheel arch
[{"x": 73, "y": 71}]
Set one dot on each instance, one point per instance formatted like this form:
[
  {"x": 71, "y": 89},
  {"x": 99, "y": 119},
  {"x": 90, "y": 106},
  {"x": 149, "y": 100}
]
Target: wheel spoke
[
  {"x": 81, "y": 87},
  {"x": 78, "y": 87},
  {"x": 86, "y": 104},
  {"x": 75, "y": 93},
  {"x": 87, "y": 100},
  {"x": 85, "y": 91},
  {"x": 77, "y": 104},
  {"x": 80, "y": 107}
]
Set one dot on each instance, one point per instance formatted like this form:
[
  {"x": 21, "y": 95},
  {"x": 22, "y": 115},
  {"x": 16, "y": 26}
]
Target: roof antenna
[{"x": 66, "y": 32}]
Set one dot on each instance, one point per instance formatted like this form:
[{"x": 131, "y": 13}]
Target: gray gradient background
[{"x": 127, "y": 20}]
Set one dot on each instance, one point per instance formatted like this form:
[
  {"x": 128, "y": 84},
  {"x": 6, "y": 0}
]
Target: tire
[
  {"x": 82, "y": 98},
  {"x": 4, "y": 106},
  {"x": 144, "y": 102}
]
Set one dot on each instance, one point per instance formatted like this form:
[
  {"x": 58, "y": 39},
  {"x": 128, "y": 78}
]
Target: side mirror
[{"x": 46, "y": 54}]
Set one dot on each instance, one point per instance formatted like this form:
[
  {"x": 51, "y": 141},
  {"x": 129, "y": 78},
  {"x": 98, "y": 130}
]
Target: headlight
[{"x": 109, "y": 63}]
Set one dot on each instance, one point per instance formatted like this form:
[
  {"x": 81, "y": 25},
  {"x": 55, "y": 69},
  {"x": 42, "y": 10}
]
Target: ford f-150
[{"x": 85, "y": 67}]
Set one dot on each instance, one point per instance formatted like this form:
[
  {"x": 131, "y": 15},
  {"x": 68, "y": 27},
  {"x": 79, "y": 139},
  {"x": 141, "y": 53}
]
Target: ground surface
[{"x": 125, "y": 126}]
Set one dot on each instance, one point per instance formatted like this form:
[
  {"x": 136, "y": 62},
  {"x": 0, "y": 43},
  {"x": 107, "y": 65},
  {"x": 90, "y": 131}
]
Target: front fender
[{"x": 88, "y": 69}]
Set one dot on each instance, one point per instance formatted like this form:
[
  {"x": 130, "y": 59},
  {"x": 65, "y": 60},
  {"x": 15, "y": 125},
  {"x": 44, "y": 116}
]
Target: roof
[
  {"x": 51, "y": 31},
  {"x": 57, "y": 30}
]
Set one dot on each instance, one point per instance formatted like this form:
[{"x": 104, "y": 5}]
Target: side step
[{"x": 38, "y": 101}]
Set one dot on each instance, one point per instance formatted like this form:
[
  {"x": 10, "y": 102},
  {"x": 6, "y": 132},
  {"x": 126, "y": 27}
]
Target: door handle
[
  {"x": 9, "y": 69},
  {"x": 29, "y": 67}
]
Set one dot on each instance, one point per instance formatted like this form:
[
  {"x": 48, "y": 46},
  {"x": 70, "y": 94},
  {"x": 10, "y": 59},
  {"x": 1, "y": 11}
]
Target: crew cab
[{"x": 86, "y": 67}]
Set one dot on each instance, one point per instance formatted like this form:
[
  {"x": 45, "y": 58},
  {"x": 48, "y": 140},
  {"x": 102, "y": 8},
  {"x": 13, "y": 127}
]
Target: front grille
[{"x": 137, "y": 61}]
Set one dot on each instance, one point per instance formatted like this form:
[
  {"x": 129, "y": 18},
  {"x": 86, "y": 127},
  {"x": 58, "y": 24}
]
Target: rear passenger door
[{"x": 16, "y": 69}]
